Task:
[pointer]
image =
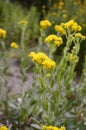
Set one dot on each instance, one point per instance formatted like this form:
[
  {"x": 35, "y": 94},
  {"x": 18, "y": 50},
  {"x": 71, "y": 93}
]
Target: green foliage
[
  {"x": 11, "y": 14},
  {"x": 55, "y": 97}
]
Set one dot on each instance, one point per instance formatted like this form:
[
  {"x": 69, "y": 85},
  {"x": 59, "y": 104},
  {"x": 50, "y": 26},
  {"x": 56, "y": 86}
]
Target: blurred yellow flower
[
  {"x": 53, "y": 128},
  {"x": 23, "y": 22},
  {"x": 59, "y": 29},
  {"x": 79, "y": 35},
  {"x": 14, "y": 45},
  {"x": 48, "y": 64},
  {"x": 71, "y": 25},
  {"x": 64, "y": 16},
  {"x": 2, "y": 33},
  {"x": 43, "y": 6},
  {"x": 45, "y": 24},
  {"x": 61, "y": 3},
  {"x": 3, "y": 128}
]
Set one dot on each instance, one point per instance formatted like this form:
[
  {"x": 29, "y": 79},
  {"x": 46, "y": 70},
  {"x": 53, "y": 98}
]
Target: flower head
[
  {"x": 80, "y": 36},
  {"x": 71, "y": 25},
  {"x": 43, "y": 60},
  {"x": 2, "y": 33},
  {"x": 48, "y": 64},
  {"x": 14, "y": 45},
  {"x": 53, "y": 128},
  {"x": 3, "y": 128},
  {"x": 54, "y": 38},
  {"x": 59, "y": 29},
  {"x": 45, "y": 24},
  {"x": 23, "y": 22}
]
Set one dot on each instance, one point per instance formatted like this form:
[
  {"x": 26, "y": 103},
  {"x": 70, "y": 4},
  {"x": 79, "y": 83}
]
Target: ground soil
[{"x": 15, "y": 79}]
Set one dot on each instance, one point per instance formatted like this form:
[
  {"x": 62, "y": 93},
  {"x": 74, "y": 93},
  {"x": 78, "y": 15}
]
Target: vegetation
[{"x": 56, "y": 99}]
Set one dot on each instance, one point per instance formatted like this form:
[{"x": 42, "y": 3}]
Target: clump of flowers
[
  {"x": 14, "y": 45},
  {"x": 3, "y": 33},
  {"x": 54, "y": 38},
  {"x": 53, "y": 128},
  {"x": 59, "y": 29},
  {"x": 3, "y": 128},
  {"x": 45, "y": 24},
  {"x": 80, "y": 36},
  {"x": 72, "y": 25},
  {"x": 43, "y": 60}
]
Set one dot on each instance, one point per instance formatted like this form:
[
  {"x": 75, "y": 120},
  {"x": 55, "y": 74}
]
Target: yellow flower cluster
[
  {"x": 59, "y": 29},
  {"x": 14, "y": 45},
  {"x": 3, "y": 128},
  {"x": 54, "y": 38},
  {"x": 60, "y": 5},
  {"x": 48, "y": 64},
  {"x": 23, "y": 22},
  {"x": 2, "y": 33},
  {"x": 45, "y": 24},
  {"x": 73, "y": 58},
  {"x": 53, "y": 128},
  {"x": 72, "y": 25},
  {"x": 43, "y": 60},
  {"x": 80, "y": 36}
]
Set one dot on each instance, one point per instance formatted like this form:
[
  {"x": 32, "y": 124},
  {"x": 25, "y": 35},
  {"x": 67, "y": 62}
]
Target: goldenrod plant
[
  {"x": 54, "y": 82},
  {"x": 55, "y": 100}
]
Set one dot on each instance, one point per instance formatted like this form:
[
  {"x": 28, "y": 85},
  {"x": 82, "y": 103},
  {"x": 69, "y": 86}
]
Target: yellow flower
[
  {"x": 38, "y": 57},
  {"x": 68, "y": 24},
  {"x": 54, "y": 38},
  {"x": 59, "y": 29},
  {"x": 45, "y": 24},
  {"x": 61, "y": 3},
  {"x": 32, "y": 54},
  {"x": 3, "y": 128},
  {"x": 53, "y": 128},
  {"x": 64, "y": 16},
  {"x": 79, "y": 35},
  {"x": 72, "y": 25},
  {"x": 14, "y": 45},
  {"x": 48, "y": 64},
  {"x": 43, "y": 60},
  {"x": 2, "y": 33},
  {"x": 60, "y": 6},
  {"x": 23, "y": 22},
  {"x": 76, "y": 27}
]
